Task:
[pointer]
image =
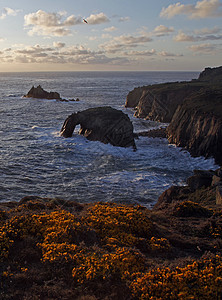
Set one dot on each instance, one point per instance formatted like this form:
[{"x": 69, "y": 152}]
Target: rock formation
[
  {"x": 197, "y": 125},
  {"x": 193, "y": 109},
  {"x": 104, "y": 124},
  {"x": 159, "y": 102},
  {"x": 39, "y": 93},
  {"x": 133, "y": 97}
]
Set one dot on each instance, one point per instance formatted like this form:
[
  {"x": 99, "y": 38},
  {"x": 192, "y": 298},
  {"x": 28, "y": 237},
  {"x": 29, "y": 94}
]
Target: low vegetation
[{"x": 54, "y": 249}]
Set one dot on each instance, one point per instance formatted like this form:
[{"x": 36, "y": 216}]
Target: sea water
[{"x": 36, "y": 160}]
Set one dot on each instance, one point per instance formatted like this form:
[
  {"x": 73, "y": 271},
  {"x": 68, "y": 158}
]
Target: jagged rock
[
  {"x": 154, "y": 133},
  {"x": 170, "y": 195},
  {"x": 159, "y": 102},
  {"x": 39, "y": 93},
  {"x": 219, "y": 172},
  {"x": 211, "y": 74},
  {"x": 197, "y": 125},
  {"x": 104, "y": 124},
  {"x": 133, "y": 97},
  {"x": 216, "y": 180},
  {"x": 219, "y": 195},
  {"x": 200, "y": 179}
]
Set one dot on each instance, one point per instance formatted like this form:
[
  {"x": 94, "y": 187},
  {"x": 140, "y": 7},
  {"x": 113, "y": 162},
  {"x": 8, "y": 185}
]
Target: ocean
[{"x": 36, "y": 160}]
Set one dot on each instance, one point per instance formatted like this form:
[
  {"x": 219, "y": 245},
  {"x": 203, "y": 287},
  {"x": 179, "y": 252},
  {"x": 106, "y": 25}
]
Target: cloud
[
  {"x": 58, "y": 54},
  {"x": 182, "y": 37},
  {"x": 125, "y": 41},
  {"x": 202, "y": 9},
  {"x": 34, "y": 50},
  {"x": 124, "y": 19},
  {"x": 58, "y": 45},
  {"x": 162, "y": 30},
  {"x": 110, "y": 29},
  {"x": 7, "y": 11},
  {"x": 50, "y": 24},
  {"x": 204, "y": 48},
  {"x": 97, "y": 19},
  {"x": 141, "y": 53},
  {"x": 169, "y": 54},
  {"x": 106, "y": 36},
  {"x": 207, "y": 30}
]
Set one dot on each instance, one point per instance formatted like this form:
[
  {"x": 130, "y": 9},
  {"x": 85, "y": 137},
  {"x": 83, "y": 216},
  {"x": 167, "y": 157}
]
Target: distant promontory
[{"x": 193, "y": 110}]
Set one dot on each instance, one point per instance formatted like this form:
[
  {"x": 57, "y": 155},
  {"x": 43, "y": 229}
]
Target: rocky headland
[
  {"x": 104, "y": 124},
  {"x": 193, "y": 110},
  {"x": 57, "y": 249}
]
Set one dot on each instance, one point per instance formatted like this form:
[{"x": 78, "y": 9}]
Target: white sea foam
[{"x": 36, "y": 160}]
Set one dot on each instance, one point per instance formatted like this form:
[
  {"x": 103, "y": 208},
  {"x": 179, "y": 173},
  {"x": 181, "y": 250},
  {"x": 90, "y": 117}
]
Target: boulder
[
  {"x": 104, "y": 124},
  {"x": 200, "y": 179},
  {"x": 39, "y": 93}
]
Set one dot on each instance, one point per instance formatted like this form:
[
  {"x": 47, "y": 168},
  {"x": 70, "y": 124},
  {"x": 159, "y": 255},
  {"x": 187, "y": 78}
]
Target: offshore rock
[
  {"x": 104, "y": 124},
  {"x": 39, "y": 93}
]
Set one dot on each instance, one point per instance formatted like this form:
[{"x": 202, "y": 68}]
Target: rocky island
[
  {"x": 104, "y": 124},
  {"x": 193, "y": 110},
  {"x": 39, "y": 93}
]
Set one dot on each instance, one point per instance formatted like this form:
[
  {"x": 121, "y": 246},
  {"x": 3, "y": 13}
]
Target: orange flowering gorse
[{"x": 109, "y": 241}]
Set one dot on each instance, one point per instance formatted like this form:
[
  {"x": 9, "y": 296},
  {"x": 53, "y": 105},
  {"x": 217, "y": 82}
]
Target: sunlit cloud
[
  {"x": 205, "y": 48},
  {"x": 55, "y": 24},
  {"x": 125, "y": 41},
  {"x": 124, "y": 19},
  {"x": 182, "y": 37},
  {"x": 162, "y": 30},
  {"x": 169, "y": 54},
  {"x": 110, "y": 29},
  {"x": 50, "y": 24},
  {"x": 7, "y": 11},
  {"x": 58, "y": 44},
  {"x": 202, "y": 9},
  {"x": 97, "y": 19},
  {"x": 141, "y": 53},
  {"x": 207, "y": 30}
]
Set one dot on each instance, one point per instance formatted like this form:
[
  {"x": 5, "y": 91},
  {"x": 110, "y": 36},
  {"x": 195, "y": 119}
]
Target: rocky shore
[
  {"x": 56, "y": 249},
  {"x": 193, "y": 110}
]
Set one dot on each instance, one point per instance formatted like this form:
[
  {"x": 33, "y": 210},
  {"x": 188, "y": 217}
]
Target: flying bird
[{"x": 85, "y": 21}]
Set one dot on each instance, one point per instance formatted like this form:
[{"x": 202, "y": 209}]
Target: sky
[{"x": 117, "y": 35}]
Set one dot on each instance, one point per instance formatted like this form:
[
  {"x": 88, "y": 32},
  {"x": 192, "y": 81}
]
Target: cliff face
[
  {"x": 197, "y": 125},
  {"x": 159, "y": 103},
  {"x": 133, "y": 97},
  {"x": 193, "y": 109}
]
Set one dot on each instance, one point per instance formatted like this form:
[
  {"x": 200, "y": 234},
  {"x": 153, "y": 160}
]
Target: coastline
[
  {"x": 52, "y": 248},
  {"x": 56, "y": 248}
]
